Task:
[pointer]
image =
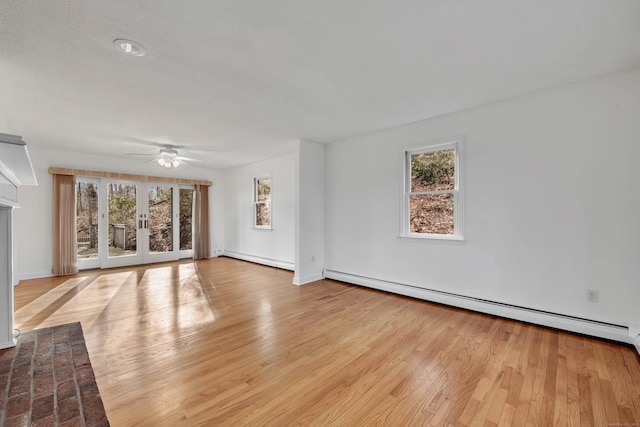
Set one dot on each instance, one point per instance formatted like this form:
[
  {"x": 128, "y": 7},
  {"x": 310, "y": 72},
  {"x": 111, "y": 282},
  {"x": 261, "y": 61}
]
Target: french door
[{"x": 126, "y": 223}]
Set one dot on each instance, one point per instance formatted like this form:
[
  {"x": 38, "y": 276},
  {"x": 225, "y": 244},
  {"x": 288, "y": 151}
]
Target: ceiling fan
[{"x": 167, "y": 157}]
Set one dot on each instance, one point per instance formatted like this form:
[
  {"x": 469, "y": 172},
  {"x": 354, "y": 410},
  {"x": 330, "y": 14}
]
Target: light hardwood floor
[{"x": 225, "y": 342}]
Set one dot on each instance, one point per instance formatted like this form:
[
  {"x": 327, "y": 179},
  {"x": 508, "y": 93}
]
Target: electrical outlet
[{"x": 592, "y": 295}]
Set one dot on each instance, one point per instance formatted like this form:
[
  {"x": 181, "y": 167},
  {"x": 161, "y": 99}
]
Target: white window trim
[
  {"x": 255, "y": 203},
  {"x": 456, "y": 143}
]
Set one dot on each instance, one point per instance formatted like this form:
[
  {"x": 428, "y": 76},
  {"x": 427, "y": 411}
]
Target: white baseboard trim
[
  {"x": 36, "y": 275},
  {"x": 553, "y": 320},
  {"x": 7, "y": 344},
  {"x": 285, "y": 265},
  {"x": 308, "y": 279}
]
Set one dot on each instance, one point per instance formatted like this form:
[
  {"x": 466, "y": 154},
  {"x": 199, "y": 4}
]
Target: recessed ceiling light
[{"x": 130, "y": 47}]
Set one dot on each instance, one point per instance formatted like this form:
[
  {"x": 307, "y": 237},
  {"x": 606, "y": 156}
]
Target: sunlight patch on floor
[
  {"x": 75, "y": 297},
  {"x": 45, "y": 300},
  {"x": 190, "y": 308}
]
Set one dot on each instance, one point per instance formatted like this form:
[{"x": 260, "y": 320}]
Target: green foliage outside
[
  {"x": 436, "y": 167},
  {"x": 264, "y": 189},
  {"x": 122, "y": 210}
]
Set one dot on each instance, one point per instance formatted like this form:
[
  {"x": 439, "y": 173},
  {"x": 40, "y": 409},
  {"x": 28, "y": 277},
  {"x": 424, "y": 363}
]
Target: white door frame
[
  {"x": 103, "y": 242},
  {"x": 173, "y": 255},
  {"x": 143, "y": 254}
]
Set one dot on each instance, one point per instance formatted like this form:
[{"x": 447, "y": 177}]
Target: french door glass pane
[
  {"x": 160, "y": 219},
  {"x": 87, "y": 219},
  {"x": 122, "y": 236},
  {"x": 186, "y": 215}
]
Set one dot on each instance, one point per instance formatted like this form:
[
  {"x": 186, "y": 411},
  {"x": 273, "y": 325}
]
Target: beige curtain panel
[
  {"x": 65, "y": 252},
  {"x": 201, "y": 243}
]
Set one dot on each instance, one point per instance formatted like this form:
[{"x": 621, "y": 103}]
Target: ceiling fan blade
[
  {"x": 188, "y": 159},
  {"x": 167, "y": 152}
]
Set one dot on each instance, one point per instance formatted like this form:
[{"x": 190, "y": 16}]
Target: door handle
[{"x": 146, "y": 223}]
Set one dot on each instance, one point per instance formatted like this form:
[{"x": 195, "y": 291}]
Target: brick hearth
[{"x": 47, "y": 380}]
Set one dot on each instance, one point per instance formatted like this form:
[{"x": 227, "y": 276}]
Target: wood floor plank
[
  {"x": 226, "y": 342},
  {"x": 548, "y": 397},
  {"x": 529, "y": 376},
  {"x": 586, "y": 402},
  {"x": 561, "y": 387},
  {"x": 618, "y": 382}
]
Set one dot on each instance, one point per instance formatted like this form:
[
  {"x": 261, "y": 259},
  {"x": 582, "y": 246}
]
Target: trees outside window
[
  {"x": 87, "y": 218},
  {"x": 262, "y": 202},
  {"x": 186, "y": 219}
]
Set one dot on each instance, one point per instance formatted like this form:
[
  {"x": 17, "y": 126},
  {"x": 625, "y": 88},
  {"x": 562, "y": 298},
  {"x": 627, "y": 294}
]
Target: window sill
[
  {"x": 262, "y": 228},
  {"x": 434, "y": 238}
]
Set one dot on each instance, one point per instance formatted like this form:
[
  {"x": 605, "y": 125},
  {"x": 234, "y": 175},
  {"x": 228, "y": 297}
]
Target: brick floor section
[{"x": 47, "y": 380}]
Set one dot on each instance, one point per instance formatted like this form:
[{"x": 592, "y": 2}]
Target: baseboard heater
[
  {"x": 285, "y": 265},
  {"x": 579, "y": 325}
]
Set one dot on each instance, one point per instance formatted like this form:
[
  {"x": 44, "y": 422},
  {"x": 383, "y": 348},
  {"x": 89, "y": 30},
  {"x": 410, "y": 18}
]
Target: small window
[
  {"x": 262, "y": 202},
  {"x": 432, "y": 201}
]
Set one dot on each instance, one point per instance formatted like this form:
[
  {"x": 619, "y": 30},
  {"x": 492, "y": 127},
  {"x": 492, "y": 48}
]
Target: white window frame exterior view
[
  {"x": 143, "y": 254},
  {"x": 456, "y": 144},
  {"x": 266, "y": 202}
]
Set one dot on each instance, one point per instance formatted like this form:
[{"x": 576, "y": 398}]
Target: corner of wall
[
  {"x": 634, "y": 333},
  {"x": 310, "y": 207},
  {"x": 299, "y": 281}
]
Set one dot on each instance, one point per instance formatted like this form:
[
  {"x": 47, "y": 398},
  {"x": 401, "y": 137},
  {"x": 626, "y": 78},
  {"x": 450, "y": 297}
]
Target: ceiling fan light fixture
[
  {"x": 168, "y": 158},
  {"x": 129, "y": 47}
]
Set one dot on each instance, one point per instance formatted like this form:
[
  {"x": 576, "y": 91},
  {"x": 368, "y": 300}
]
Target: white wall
[
  {"x": 551, "y": 203},
  {"x": 309, "y": 233},
  {"x": 33, "y": 220},
  {"x": 275, "y": 246}
]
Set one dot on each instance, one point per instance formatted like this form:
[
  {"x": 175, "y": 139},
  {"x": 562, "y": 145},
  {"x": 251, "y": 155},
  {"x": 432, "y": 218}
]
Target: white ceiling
[{"x": 235, "y": 81}]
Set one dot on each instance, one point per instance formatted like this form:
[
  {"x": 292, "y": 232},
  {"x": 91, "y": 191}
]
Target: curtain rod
[{"x": 126, "y": 176}]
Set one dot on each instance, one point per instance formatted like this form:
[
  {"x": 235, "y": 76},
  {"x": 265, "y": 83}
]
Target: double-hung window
[
  {"x": 262, "y": 202},
  {"x": 432, "y": 202}
]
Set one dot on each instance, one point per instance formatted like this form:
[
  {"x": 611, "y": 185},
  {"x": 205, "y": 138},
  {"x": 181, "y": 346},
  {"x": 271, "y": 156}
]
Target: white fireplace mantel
[{"x": 15, "y": 170}]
